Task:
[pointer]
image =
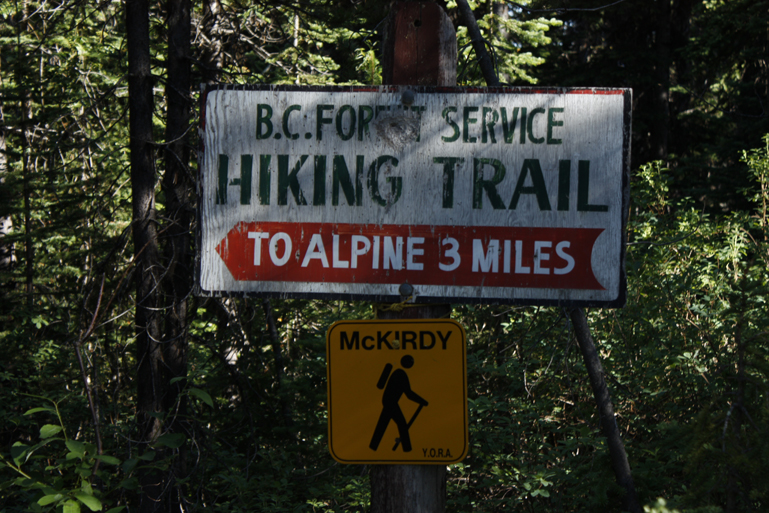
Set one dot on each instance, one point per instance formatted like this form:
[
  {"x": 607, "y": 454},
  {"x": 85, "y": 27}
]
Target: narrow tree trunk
[
  {"x": 479, "y": 46},
  {"x": 503, "y": 11},
  {"x": 272, "y": 327},
  {"x": 177, "y": 188},
  {"x": 732, "y": 443},
  {"x": 212, "y": 53},
  {"x": 7, "y": 255},
  {"x": 25, "y": 115},
  {"x": 660, "y": 127},
  {"x": 420, "y": 48},
  {"x": 617, "y": 454},
  {"x": 680, "y": 28},
  {"x": 146, "y": 252},
  {"x": 26, "y": 165}
]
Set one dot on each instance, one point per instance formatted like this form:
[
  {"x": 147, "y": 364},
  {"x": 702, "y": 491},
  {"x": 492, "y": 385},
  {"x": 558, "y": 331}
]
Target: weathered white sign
[{"x": 483, "y": 195}]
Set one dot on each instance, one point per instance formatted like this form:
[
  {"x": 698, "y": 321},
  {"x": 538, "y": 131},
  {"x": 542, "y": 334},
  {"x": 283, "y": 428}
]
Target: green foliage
[
  {"x": 59, "y": 472},
  {"x": 709, "y": 281},
  {"x": 758, "y": 164},
  {"x": 63, "y": 180},
  {"x": 311, "y": 44},
  {"x": 511, "y": 41}
]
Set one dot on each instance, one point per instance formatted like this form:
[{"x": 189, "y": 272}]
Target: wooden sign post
[{"x": 420, "y": 48}]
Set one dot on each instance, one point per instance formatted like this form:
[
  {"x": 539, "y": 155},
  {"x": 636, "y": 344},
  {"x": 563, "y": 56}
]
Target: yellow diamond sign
[{"x": 397, "y": 391}]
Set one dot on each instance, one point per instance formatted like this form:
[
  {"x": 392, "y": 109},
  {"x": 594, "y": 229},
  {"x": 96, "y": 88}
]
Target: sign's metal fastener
[{"x": 407, "y": 97}]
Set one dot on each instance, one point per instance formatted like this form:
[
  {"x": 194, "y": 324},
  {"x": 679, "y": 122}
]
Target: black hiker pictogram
[{"x": 394, "y": 387}]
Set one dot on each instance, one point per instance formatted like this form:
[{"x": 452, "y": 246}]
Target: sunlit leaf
[
  {"x": 49, "y": 499},
  {"x": 71, "y": 507},
  {"x": 42, "y": 408},
  {"x": 49, "y": 430},
  {"x": 76, "y": 447},
  {"x": 92, "y": 502}
]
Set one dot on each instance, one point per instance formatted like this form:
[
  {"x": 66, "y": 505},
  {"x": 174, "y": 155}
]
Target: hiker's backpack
[{"x": 383, "y": 378}]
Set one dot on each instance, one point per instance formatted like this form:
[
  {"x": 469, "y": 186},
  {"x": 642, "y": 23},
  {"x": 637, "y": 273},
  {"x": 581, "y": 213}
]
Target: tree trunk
[
  {"x": 177, "y": 188},
  {"x": 410, "y": 488},
  {"x": 660, "y": 125},
  {"x": 211, "y": 52},
  {"x": 617, "y": 454},
  {"x": 7, "y": 255},
  {"x": 26, "y": 170},
  {"x": 272, "y": 327},
  {"x": 420, "y": 48},
  {"x": 503, "y": 11},
  {"x": 146, "y": 252},
  {"x": 479, "y": 46}
]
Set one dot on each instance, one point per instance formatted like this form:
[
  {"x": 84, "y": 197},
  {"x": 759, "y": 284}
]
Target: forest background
[{"x": 219, "y": 404}]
